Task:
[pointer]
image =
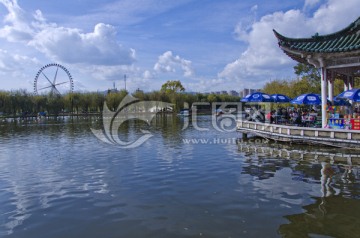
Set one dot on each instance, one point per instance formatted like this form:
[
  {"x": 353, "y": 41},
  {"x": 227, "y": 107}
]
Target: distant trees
[
  {"x": 308, "y": 81},
  {"x": 20, "y": 101},
  {"x": 172, "y": 86},
  {"x": 113, "y": 99},
  {"x": 291, "y": 88},
  {"x": 309, "y": 73}
]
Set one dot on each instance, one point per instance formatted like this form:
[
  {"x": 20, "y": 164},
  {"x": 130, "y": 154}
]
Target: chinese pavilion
[{"x": 336, "y": 54}]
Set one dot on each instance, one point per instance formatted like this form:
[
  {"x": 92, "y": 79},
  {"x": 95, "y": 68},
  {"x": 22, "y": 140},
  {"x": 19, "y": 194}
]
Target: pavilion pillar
[
  {"x": 331, "y": 87},
  {"x": 346, "y": 83},
  {"x": 323, "y": 97},
  {"x": 351, "y": 82}
]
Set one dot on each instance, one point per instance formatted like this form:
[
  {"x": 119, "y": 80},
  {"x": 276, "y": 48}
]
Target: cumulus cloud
[
  {"x": 167, "y": 62},
  {"x": 13, "y": 67},
  {"x": 148, "y": 74},
  {"x": 13, "y": 62},
  {"x": 69, "y": 45},
  {"x": 72, "y": 46},
  {"x": 263, "y": 58},
  {"x": 110, "y": 72},
  {"x": 16, "y": 28}
]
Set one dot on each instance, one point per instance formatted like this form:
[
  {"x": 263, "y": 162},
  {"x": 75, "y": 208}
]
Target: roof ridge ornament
[{"x": 315, "y": 36}]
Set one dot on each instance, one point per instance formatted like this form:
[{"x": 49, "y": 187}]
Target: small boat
[{"x": 184, "y": 113}]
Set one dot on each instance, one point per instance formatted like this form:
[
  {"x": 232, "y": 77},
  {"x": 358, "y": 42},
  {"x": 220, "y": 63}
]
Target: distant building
[
  {"x": 111, "y": 90},
  {"x": 190, "y": 93},
  {"x": 247, "y": 91},
  {"x": 233, "y": 93}
]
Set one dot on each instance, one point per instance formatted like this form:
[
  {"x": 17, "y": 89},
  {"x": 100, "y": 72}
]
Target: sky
[{"x": 208, "y": 45}]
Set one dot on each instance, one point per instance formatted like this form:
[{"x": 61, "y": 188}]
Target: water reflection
[
  {"x": 331, "y": 216},
  {"x": 333, "y": 206},
  {"x": 58, "y": 180}
]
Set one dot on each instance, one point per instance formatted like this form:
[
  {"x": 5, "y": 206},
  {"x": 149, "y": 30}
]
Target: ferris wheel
[{"x": 53, "y": 79}]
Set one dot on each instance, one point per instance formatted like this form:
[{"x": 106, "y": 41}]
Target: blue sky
[{"x": 207, "y": 45}]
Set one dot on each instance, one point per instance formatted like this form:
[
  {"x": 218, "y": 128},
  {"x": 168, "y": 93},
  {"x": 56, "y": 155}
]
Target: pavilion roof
[{"x": 346, "y": 40}]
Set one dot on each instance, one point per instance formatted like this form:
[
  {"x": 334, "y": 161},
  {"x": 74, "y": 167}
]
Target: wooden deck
[{"x": 303, "y": 135}]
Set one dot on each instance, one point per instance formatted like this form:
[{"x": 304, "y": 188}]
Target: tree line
[
  {"x": 308, "y": 81},
  {"x": 21, "y": 102}
]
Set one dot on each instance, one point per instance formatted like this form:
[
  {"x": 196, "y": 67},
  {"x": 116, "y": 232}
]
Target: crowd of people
[{"x": 287, "y": 116}]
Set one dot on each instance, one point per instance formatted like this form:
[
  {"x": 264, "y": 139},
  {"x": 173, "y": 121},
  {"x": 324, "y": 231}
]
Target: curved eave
[
  {"x": 353, "y": 28},
  {"x": 307, "y": 57},
  {"x": 303, "y": 53},
  {"x": 295, "y": 55},
  {"x": 346, "y": 40}
]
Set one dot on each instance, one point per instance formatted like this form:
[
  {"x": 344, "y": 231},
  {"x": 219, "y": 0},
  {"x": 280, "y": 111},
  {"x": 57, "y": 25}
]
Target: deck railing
[{"x": 295, "y": 133}]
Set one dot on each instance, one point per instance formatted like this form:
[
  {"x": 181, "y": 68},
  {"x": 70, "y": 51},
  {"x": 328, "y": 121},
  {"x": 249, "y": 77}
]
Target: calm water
[{"x": 58, "y": 180}]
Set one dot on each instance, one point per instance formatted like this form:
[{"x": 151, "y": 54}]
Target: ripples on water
[{"x": 58, "y": 180}]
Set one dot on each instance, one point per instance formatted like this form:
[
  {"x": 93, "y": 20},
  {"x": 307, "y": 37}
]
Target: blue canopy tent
[
  {"x": 307, "y": 99},
  {"x": 280, "y": 98},
  {"x": 257, "y": 97},
  {"x": 341, "y": 102},
  {"x": 352, "y": 94}
]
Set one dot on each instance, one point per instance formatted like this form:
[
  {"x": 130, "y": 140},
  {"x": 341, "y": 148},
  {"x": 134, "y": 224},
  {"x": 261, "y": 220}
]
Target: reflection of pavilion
[
  {"x": 335, "y": 211},
  {"x": 305, "y": 162},
  {"x": 331, "y": 216}
]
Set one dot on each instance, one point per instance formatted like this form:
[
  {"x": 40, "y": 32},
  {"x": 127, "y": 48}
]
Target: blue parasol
[
  {"x": 280, "y": 98},
  {"x": 352, "y": 94},
  {"x": 307, "y": 99},
  {"x": 341, "y": 102},
  {"x": 257, "y": 97}
]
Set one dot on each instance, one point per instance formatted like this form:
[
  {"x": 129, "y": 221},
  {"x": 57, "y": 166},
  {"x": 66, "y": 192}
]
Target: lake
[{"x": 57, "y": 179}]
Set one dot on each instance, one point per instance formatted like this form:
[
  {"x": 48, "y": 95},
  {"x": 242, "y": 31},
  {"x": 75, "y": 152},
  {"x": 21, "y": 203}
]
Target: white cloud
[
  {"x": 69, "y": 45},
  {"x": 148, "y": 74},
  {"x": 16, "y": 28},
  {"x": 72, "y": 46},
  {"x": 13, "y": 69},
  {"x": 263, "y": 59},
  {"x": 110, "y": 72},
  {"x": 14, "y": 62},
  {"x": 167, "y": 62},
  {"x": 106, "y": 75}
]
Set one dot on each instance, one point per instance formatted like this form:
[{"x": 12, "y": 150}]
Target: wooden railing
[{"x": 294, "y": 133}]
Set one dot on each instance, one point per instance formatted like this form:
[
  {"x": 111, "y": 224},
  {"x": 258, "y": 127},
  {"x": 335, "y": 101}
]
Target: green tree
[
  {"x": 5, "y": 102},
  {"x": 212, "y": 98},
  {"x": 55, "y": 104},
  {"x": 172, "y": 86},
  {"x": 309, "y": 73},
  {"x": 39, "y": 103},
  {"x": 139, "y": 94},
  {"x": 277, "y": 86},
  {"x": 113, "y": 99}
]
